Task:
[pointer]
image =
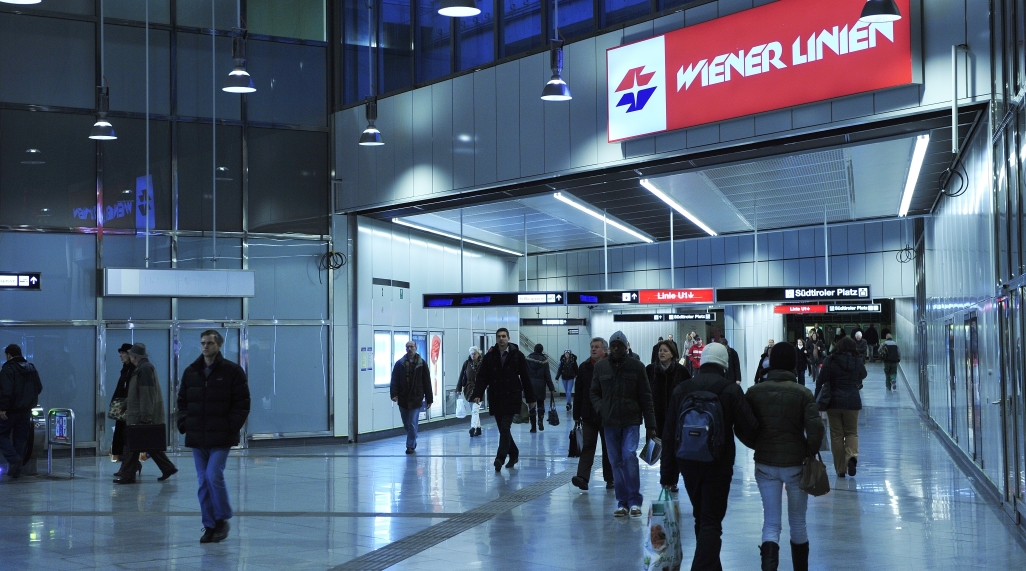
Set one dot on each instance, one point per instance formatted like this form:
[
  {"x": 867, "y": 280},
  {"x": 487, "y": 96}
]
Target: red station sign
[
  {"x": 671, "y": 296},
  {"x": 799, "y": 309}
]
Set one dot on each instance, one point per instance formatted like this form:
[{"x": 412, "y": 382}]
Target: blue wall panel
[
  {"x": 507, "y": 120},
  {"x": 582, "y": 75},
  {"x": 463, "y": 131},
  {"x": 441, "y": 136},
  {"x": 532, "y": 116},
  {"x": 485, "y": 134}
]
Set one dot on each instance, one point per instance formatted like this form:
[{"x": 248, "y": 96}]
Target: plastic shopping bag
[
  {"x": 461, "y": 407},
  {"x": 661, "y": 548}
]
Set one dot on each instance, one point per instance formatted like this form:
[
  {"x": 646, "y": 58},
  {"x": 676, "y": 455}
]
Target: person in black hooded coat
[
  {"x": 837, "y": 392},
  {"x": 117, "y": 443}
]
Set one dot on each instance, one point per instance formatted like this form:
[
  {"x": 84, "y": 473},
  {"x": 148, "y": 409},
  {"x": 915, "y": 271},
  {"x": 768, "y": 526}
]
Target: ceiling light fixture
[
  {"x": 879, "y": 11},
  {"x": 33, "y": 157},
  {"x": 102, "y": 129},
  {"x": 922, "y": 141},
  {"x": 676, "y": 206},
  {"x": 20, "y": 2},
  {"x": 371, "y": 137},
  {"x": 239, "y": 80},
  {"x": 459, "y": 8},
  {"x": 453, "y": 236},
  {"x": 572, "y": 201},
  {"x": 556, "y": 89}
]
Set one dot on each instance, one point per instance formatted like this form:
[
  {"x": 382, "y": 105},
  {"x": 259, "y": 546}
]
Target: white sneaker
[
  {"x": 620, "y": 512},
  {"x": 635, "y": 511}
]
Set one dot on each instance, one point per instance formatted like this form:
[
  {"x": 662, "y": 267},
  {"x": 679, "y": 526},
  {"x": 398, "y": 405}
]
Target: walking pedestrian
[
  {"x": 791, "y": 431},
  {"x": 891, "y": 356},
  {"x": 733, "y": 372},
  {"x": 213, "y": 404},
  {"x": 19, "y": 394},
  {"x": 117, "y": 442},
  {"x": 837, "y": 392},
  {"x": 591, "y": 422},
  {"x": 411, "y": 390},
  {"x": 541, "y": 377},
  {"x": 873, "y": 338},
  {"x": 801, "y": 353},
  {"x": 465, "y": 384},
  {"x": 145, "y": 405},
  {"x": 504, "y": 374},
  {"x": 664, "y": 376},
  {"x": 568, "y": 372},
  {"x": 623, "y": 397},
  {"x": 707, "y": 483}
]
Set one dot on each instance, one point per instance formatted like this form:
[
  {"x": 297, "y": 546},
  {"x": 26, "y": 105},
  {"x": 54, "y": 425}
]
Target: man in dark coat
[
  {"x": 411, "y": 389},
  {"x": 708, "y": 483},
  {"x": 591, "y": 423},
  {"x": 504, "y": 371},
  {"x": 213, "y": 404},
  {"x": 621, "y": 394},
  {"x": 541, "y": 377},
  {"x": 144, "y": 405},
  {"x": 733, "y": 372},
  {"x": 872, "y": 336},
  {"x": 19, "y": 393}
]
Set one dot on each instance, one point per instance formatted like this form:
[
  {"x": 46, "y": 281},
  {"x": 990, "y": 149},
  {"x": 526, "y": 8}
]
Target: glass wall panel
[
  {"x": 79, "y": 7},
  {"x": 196, "y": 253},
  {"x": 433, "y": 42},
  {"x": 66, "y": 360},
  {"x": 289, "y": 283},
  {"x": 197, "y": 89},
  {"x": 200, "y": 13},
  {"x": 667, "y": 4},
  {"x": 356, "y": 42},
  {"x": 395, "y": 46},
  {"x": 291, "y": 82},
  {"x": 617, "y": 11},
  {"x": 124, "y": 175},
  {"x": 576, "y": 18},
  {"x": 197, "y": 176},
  {"x": 126, "y": 69},
  {"x": 303, "y": 19},
  {"x": 160, "y": 11},
  {"x": 47, "y": 61},
  {"x": 288, "y": 181},
  {"x": 521, "y": 26},
  {"x": 47, "y": 169},
  {"x": 477, "y": 38},
  {"x": 130, "y": 252},
  {"x": 298, "y": 401},
  {"x": 68, "y": 265}
]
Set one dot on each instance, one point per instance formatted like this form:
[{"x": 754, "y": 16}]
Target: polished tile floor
[{"x": 373, "y": 507}]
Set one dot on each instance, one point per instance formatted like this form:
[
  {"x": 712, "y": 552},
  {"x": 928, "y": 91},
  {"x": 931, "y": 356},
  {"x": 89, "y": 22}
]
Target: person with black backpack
[
  {"x": 698, "y": 443},
  {"x": 891, "y": 356},
  {"x": 19, "y": 394}
]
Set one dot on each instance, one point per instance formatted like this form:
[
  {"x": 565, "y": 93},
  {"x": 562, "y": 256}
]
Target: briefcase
[{"x": 146, "y": 437}]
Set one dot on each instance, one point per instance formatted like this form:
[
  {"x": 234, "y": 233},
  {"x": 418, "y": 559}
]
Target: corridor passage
[{"x": 373, "y": 507}]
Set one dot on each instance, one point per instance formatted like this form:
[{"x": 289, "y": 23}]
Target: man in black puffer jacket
[
  {"x": 19, "y": 393},
  {"x": 541, "y": 377},
  {"x": 504, "y": 373},
  {"x": 213, "y": 404}
]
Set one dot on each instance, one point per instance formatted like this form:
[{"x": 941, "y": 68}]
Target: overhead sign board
[
  {"x": 782, "y": 54},
  {"x": 573, "y": 331},
  {"x": 855, "y": 308},
  {"x": 601, "y": 297},
  {"x": 553, "y": 321},
  {"x": 799, "y": 309},
  {"x": 665, "y": 296},
  {"x": 27, "y": 281},
  {"x": 644, "y": 317},
  {"x": 494, "y": 299},
  {"x": 792, "y": 294}
]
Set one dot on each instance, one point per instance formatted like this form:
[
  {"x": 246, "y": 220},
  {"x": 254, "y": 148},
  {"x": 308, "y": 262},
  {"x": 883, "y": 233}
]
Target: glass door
[
  {"x": 187, "y": 350},
  {"x": 157, "y": 339}
]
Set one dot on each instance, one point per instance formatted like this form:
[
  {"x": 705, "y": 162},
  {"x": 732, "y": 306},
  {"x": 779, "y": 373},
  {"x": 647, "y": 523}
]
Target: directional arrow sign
[{"x": 23, "y": 281}]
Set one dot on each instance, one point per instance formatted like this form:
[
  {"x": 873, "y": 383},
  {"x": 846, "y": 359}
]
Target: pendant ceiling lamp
[
  {"x": 877, "y": 11},
  {"x": 102, "y": 129},
  {"x": 556, "y": 89},
  {"x": 459, "y": 8},
  {"x": 239, "y": 80},
  {"x": 371, "y": 137},
  {"x": 20, "y": 2}
]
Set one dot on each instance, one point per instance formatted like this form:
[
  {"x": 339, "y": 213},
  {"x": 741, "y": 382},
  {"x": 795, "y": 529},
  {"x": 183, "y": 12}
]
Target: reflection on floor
[{"x": 445, "y": 508}]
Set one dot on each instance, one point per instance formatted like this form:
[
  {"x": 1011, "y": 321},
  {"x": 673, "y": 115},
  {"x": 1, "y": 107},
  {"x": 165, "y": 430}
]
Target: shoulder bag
[
  {"x": 118, "y": 409},
  {"x": 553, "y": 413},
  {"x": 814, "y": 478}
]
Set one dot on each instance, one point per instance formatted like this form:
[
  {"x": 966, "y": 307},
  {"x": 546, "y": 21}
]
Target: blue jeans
[
  {"x": 568, "y": 387},
  {"x": 622, "y": 445},
  {"x": 411, "y": 417},
  {"x": 213, "y": 495},
  {"x": 770, "y": 479}
]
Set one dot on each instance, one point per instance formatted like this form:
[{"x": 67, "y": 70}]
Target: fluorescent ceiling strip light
[
  {"x": 922, "y": 141},
  {"x": 453, "y": 236},
  {"x": 676, "y": 206},
  {"x": 568, "y": 199}
]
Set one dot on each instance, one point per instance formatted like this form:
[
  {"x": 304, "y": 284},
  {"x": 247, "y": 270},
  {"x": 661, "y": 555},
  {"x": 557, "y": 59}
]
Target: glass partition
[{"x": 288, "y": 379}]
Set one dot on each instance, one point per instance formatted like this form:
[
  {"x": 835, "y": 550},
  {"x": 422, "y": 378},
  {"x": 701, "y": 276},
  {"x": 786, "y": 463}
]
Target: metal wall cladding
[
  {"x": 496, "y": 114},
  {"x": 961, "y": 278}
]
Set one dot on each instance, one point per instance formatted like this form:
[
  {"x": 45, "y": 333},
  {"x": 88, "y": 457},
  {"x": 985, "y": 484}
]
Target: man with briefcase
[{"x": 144, "y": 416}]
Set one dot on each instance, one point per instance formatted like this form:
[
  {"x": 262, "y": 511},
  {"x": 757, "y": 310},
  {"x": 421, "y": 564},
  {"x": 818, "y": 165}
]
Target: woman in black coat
[
  {"x": 664, "y": 375},
  {"x": 801, "y": 354},
  {"x": 117, "y": 444},
  {"x": 837, "y": 392}
]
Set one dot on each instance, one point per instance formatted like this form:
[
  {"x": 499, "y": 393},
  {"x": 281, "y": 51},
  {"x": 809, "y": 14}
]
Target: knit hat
[
  {"x": 538, "y": 348},
  {"x": 618, "y": 336},
  {"x": 716, "y": 354},
  {"x": 124, "y": 347},
  {"x": 138, "y": 350},
  {"x": 782, "y": 356}
]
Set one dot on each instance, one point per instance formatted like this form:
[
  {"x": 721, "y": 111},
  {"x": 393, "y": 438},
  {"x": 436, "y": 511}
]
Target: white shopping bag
[
  {"x": 462, "y": 407},
  {"x": 661, "y": 548}
]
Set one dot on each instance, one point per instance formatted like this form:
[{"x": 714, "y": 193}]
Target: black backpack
[
  {"x": 700, "y": 427},
  {"x": 891, "y": 354}
]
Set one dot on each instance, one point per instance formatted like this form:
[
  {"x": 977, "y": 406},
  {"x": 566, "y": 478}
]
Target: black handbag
[
  {"x": 146, "y": 437},
  {"x": 576, "y": 442},
  {"x": 553, "y": 413},
  {"x": 814, "y": 478}
]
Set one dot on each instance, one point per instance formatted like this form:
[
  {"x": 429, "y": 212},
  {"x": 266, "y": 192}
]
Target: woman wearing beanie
[{"x": 791, "y": 431}]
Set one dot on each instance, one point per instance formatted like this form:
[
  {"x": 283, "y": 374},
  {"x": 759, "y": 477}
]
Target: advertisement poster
[{"x": 434, "y": 359}]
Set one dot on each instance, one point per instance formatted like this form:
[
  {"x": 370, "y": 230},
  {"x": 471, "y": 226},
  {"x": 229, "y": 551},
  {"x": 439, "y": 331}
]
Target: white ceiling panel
[{"x": 881, "y": 170}]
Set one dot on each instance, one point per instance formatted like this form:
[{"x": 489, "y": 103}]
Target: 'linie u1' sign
[{"x": 783, "y": 54}]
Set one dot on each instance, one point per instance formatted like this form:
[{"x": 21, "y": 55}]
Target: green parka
[{"x": 790, "y": 428}]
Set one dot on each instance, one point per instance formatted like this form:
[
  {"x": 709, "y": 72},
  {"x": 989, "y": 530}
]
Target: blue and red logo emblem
[{"x": 635, "y": 100}]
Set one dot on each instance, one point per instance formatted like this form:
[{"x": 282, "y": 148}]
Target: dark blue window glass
[
  {"x": 618, "y": 11},
  {"x": 521, "y": 26},
  {"x": 477, "y": 37},
  {"x": 395, "y": 46},
  {"x": 433, "y": 42},
  {"x": 356, "y": 38},
  {"x": 576, "y": 18},
  {"x": 667, "y": 4}
]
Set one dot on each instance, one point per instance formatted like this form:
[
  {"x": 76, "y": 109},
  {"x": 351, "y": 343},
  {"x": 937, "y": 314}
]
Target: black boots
[
  {"x": 770, "y": 556},
  {"x": 534, "y": 420},
  {"x": 800, "y": 556}
]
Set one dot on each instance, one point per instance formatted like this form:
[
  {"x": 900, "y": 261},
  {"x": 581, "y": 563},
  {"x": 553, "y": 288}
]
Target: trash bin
[{"x": 37, "y": 444}]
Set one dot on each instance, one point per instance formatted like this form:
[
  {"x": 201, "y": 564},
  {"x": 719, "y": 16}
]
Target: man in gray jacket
[
  {"x": 622, "y": 396},
  {"x": 144, "y": 405}
]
